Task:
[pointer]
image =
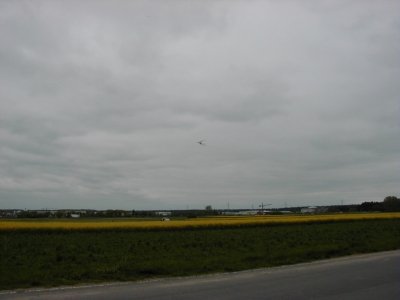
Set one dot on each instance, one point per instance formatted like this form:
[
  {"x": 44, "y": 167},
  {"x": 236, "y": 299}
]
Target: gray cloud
[{"x": 102, "y": 102}]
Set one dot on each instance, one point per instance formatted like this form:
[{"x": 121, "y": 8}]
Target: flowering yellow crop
[{"x": 220, "y": 221}]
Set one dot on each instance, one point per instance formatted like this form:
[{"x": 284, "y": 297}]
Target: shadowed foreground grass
[{"x": 58, "y": 257}]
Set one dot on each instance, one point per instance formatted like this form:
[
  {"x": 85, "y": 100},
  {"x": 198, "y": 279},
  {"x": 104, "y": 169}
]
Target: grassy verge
[{"x": 58, "y": 257}]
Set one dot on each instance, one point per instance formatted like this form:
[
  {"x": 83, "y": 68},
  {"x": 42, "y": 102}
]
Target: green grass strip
[{"x": 51, "y": 258}]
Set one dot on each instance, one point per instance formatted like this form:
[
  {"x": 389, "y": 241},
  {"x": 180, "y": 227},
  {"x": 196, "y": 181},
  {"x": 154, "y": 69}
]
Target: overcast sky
[{"x": 102, "y": 103}]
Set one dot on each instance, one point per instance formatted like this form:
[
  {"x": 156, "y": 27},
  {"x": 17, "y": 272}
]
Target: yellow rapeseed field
[{"x": 220, "y": 221}]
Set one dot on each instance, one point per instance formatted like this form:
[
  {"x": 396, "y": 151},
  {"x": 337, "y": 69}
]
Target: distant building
[
  {"x": 308, "y": 210},
  {"x": 75, "y": 216},
  {"x": 239, "y": 213},
  {"x": 163, "y": 213},
  {"x": 247, "y": 213}
]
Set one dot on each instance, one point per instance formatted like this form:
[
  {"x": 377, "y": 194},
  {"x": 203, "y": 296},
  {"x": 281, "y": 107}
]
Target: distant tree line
[{"x": 390, "y": 203}]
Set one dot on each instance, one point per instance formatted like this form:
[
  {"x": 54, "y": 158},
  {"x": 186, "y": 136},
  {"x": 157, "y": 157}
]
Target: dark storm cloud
[{"x": 102, "y": 102}]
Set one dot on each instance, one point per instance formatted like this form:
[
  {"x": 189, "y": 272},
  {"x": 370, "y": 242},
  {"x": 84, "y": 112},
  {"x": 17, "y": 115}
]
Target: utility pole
[{"x": 263, "y": 205}]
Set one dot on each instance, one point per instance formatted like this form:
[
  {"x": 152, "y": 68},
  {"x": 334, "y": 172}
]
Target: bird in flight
[{"x": 201, "y": 143}]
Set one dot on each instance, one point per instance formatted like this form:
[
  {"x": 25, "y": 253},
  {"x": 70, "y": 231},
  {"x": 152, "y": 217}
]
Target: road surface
[{"x": 369, "y": 276}]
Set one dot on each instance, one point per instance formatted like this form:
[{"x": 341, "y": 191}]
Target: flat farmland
[
  {"x": 63, "y": 252},
  {"x": 204, "y": 222}
]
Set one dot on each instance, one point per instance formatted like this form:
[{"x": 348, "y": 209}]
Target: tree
[
  {"x": 371, "y": 206},
  {"x": 391, "y": 203}
]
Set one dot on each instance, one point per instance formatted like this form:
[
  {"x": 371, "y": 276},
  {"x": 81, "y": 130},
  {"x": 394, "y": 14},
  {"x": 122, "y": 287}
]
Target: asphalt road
[{"x": 370, "y": 276}]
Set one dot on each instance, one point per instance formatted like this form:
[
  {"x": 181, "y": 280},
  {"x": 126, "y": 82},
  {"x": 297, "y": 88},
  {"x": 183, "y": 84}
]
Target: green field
[{"x": 59, "y": 257}]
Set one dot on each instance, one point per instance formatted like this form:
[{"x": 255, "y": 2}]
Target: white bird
[{"x": 201, "y": 143}]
